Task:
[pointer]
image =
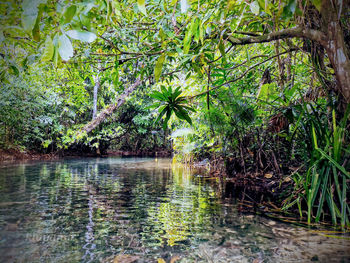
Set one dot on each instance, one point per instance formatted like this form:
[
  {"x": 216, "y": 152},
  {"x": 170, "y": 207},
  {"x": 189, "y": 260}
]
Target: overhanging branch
[
  {"x": 241, "y": 76},
  {"x": 109, "y": 110},
  {"x": 297, "y": 32}
]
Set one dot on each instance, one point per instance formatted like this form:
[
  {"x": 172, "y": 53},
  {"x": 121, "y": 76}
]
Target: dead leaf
[
  {"x": 124, "y": 258},
  {"x": 287, "y": 179},
  {"x": 160, "y": 260},
  {"x": 268, "y": 176},
  {"x": 174, "y": 259}
]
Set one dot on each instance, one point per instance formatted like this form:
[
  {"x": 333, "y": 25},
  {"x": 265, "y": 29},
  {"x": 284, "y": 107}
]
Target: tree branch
[
  {"x": 109, "y": 110},
  {"x": 298, "y": 32},
  {"x": 241, "y": 76}
]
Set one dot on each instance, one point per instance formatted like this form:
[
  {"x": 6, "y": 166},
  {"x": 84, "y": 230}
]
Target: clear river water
[{"x": 141, "y": 210}]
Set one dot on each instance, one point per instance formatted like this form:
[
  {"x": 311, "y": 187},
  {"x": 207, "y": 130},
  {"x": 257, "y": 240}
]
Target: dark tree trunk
[{"x": 336, "y": 48}]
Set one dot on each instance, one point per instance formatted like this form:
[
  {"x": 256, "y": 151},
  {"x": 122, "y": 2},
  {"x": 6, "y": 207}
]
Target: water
[{"x": 113, "y": 209}]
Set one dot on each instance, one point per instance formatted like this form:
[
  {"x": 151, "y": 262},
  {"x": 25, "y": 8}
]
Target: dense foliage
[{"x": 263, "y": 84}]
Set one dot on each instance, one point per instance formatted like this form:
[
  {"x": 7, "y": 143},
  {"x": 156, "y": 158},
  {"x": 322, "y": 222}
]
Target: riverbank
[
  {"x": 16, "y": 154},
  {"x": 264, "y": 193}
]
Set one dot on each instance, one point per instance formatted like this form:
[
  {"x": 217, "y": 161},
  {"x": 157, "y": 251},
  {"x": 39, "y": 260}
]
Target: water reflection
[{"x": 91, "y": 210}]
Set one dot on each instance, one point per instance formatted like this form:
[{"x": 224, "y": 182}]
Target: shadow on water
[{"x": 96, "y": 210}]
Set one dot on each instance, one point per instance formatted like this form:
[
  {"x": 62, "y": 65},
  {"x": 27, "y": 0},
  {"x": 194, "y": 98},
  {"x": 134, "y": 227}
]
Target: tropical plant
[{"x": 171, "y": 102}]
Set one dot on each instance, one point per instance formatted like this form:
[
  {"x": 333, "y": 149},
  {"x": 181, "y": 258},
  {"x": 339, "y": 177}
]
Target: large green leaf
[
  {"x": 142, "y": 6},
  {"x": 65, "y": 47},
  {"x": 84, "y": 36},
  {"x": 48, "y": 50},
  {"x": 182, "y": 114},
  {"x": 188, "y": 37},
  {"x": 29, "y": 14},
  {"x": 69, "y": 13},
  {"x": 158, "y": 67},
  {"x": 36, "y": 29},
  {"x": 289, "y": 9},
  {"x": 158, "y": 96},
  {"x": 162, "y": 112},
  {"x": 254, "y": 7},
  {"x": 167, "y": 117}
]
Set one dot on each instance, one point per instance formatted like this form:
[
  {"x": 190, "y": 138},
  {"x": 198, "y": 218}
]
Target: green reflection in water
[
  {"x": 186, "y": 207},
  {"x": 90, "y": 210}
]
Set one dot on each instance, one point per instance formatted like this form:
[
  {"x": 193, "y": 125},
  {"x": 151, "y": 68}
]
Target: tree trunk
[
  {"x": 96, "y": 88},
  {"x": 110, "y": 109},
  {"x": 337, "y": 51}
]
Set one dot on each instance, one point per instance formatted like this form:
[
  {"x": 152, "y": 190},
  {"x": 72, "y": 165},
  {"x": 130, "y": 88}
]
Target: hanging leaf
[
  {"x": 254, "y": 7},
  {"x": 195, "y": 30},
  {"x": 188, "y": 36},
  {"x": 36, "y": 29},
  {"x": 65, "y": 47},
  {"x": 158, "y": 67},
  {"x": 29, "y": 18},
  {"x": 167, "y": 117},
  {"x": 184, "y": 6},
  {"x": 181, "y": 113},
  {"x": 221, "y": 47},
  {"x": 142, "y": 6},
  {"x": 48, "y": 49},
  {"x": 69, "y": 13},
  {"x": 289, "y": 9},
  {"x": 84, "y": 36}
]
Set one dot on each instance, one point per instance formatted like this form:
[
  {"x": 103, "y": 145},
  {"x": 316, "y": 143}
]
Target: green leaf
[
  {"x": 84, "y": 36},
  {"x": 36, "y": 29},
  {"x": 221, "y": 47},
  {"x": 189, "y": 108},
  {"x": 158, "y": 96},
  {"x": 116, "y": 6},
  {"x": 15, "y": 70},
  {"x": 158, "y": 67},
  {"x": 335, "y": 163},
  {"x": 69, "y": 13},
  {"x": 29, "y": 16},
  {"x": 142, "y": 6},
  {"x": 195, "y": 30},
  {"x": 161, "y": 108},
  {"x": 2, "y": 37},
  {"x": 201, "y": 33},
  {"x": 167, "y": 117},
  {"x": 48, "y": 50},
  {"x": 289, "y": 9},
  {"x": 254, "y": 7},
  {"x": 184, "y": 6},
  {"x": 263, "y": 92},
  {"x": 317, "y": 4},
  {"x": 188, "y": 37},
  {"x": 85, "y": 21},
  {"x": 182, "y": 114},
  {"x": 161, "y": 114},
  {"x": 176, "y": 93},
  {"x": 65, "y": 47}
]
